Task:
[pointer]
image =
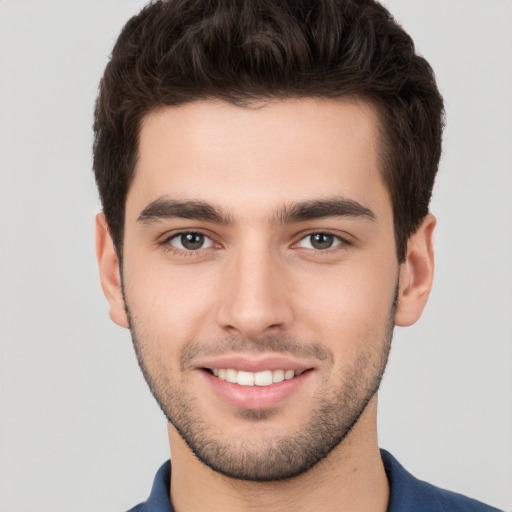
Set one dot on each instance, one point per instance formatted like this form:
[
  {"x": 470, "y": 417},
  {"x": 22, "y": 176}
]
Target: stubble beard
[{"x": 336, "y": 412}]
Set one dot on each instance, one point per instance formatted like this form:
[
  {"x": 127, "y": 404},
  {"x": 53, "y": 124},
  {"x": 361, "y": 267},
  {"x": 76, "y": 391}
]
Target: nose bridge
[{"x": 255, "y": 300}]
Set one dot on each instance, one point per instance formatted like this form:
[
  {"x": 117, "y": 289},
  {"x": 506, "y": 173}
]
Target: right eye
[{"x": 190, "y": 241}]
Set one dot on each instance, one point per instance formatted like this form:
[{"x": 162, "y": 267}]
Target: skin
[{"x": 258, "y": 277}]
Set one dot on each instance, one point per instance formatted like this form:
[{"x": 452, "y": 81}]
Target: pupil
[
  {"x": 321, "y": 241},
  {"x": 192, "y": 240}
]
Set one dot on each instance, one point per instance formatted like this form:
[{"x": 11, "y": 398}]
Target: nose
[{"x": 255, "y": 295}]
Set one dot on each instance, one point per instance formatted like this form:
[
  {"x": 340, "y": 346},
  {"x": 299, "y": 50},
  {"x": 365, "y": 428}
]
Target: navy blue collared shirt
[{"x": 407, "y": 493}]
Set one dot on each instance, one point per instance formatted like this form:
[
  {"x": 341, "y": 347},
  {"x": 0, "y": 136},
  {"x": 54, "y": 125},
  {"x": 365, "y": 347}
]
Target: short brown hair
[{"x": 177, "y": 51}]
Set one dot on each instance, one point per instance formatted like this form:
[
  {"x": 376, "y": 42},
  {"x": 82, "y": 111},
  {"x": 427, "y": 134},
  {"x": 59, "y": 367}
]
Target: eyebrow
[
  {"x": 323, "y": 208},
  {"x": 166, "y": 208}
]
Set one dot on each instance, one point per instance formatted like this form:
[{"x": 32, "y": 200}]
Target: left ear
[{"x": 416, "y": 273}]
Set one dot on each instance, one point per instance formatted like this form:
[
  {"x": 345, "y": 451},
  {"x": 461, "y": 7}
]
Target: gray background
[{"x": 78, "y": 429}]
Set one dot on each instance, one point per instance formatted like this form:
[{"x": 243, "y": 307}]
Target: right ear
[{"x": 110, "y": 275}]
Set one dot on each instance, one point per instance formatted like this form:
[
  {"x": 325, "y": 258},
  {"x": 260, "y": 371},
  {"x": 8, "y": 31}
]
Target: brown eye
[
  {"x": 320, "y": 241},
  {"x": 190, "y": 241}
]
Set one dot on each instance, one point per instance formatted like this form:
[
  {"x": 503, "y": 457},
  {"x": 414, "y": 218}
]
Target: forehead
[{"x": 254, "y": 158}]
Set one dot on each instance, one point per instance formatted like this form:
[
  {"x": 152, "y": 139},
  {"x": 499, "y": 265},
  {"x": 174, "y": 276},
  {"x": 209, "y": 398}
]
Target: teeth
[
  {"x": 277, "y": 375},
  {"x": 245, "y": 378},
  {"x": 231, "y": 376},
  {"x": 264, "y": 378}
]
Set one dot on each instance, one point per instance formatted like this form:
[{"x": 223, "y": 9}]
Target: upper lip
[{"x": 254, "y": 363}]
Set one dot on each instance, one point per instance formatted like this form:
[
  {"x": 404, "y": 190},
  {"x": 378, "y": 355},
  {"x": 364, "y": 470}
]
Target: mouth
[
  {"x": 255, "y": 381},
  {"x": 260, "y": 378}
]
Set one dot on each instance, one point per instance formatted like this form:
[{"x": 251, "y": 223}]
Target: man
[{"x": 265, "y": 169}]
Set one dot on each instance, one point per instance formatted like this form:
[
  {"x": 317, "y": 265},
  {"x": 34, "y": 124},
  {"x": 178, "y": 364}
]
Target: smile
[{"x": 262, "y": 378}]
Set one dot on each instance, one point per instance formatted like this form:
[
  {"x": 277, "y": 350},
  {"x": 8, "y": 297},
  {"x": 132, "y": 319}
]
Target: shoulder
[
  {"x": 158, "y": 500},
  {"x": 408, "y": 493},
  {"x": 137, "y": 508}
]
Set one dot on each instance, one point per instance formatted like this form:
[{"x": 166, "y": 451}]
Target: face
[{"x": 260, "y": 277}]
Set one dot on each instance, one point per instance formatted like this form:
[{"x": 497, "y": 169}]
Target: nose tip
[
  {"x": 255, "y": 300},
  {"x": 252, "y": 324}
]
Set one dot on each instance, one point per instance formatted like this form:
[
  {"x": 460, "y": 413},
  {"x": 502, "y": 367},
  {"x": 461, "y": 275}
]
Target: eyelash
[
  {"x": 168, "y": 247},
  {"x": 342, "y": 242}
]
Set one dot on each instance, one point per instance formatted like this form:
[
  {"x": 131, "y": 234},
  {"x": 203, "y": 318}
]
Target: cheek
[
  {"x": 167, "y": 303},
  {"x": 348, "y": 308}
]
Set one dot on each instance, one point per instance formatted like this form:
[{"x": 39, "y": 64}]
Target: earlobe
[
  {"x": 110, "y": 275},
  {"x": 416, "y": 274}
]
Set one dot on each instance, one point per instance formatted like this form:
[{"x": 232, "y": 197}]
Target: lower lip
[{"x": 256, "y": 397}]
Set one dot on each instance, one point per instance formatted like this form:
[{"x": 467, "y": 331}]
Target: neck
[{"x": 351, "y": 477}]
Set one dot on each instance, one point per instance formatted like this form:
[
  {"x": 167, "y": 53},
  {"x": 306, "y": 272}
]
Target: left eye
[
  {"x": 320, "y": 241},
  {"x": 190, "y": 241}
]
